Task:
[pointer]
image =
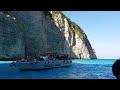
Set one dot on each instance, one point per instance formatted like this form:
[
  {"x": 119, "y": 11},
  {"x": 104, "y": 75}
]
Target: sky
[{"x": 102, "y": 29}]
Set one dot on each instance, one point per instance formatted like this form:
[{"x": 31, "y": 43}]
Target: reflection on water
[{"x": 80, "y": 69}]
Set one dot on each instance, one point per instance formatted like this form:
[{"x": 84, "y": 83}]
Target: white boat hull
[{"x": 35, "y": 65}]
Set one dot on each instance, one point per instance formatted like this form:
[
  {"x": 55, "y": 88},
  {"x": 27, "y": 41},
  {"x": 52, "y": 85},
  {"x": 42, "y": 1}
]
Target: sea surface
[{"x": 80, "y": 69}]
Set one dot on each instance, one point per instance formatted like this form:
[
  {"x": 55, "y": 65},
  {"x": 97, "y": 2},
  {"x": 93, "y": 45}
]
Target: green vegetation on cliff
[{"x": 72, "y": 25}]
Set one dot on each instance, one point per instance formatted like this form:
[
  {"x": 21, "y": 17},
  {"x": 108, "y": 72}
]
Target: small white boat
[{"x": 45, "y": 64}]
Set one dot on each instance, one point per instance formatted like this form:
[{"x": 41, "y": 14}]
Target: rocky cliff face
[
  {"x": 34, "y": 32},
  {"x": 74, "y": 36}
]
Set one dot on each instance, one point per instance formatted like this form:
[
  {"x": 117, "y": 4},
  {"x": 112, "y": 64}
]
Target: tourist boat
[{"x": 43, "y": 64}]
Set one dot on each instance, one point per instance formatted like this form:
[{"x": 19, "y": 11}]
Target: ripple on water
[{"x": 87, "y": 69}]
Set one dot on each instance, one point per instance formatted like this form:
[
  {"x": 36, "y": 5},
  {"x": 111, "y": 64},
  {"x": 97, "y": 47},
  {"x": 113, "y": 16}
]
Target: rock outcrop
[{"x": 34, "y": 32}]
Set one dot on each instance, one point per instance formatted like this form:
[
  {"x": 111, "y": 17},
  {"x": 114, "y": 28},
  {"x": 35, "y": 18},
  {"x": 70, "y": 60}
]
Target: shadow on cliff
[{"x": 30, "y": 33}]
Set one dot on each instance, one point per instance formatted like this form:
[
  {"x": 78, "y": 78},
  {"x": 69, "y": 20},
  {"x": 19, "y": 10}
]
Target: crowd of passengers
[{"x": 44, "y": 58}]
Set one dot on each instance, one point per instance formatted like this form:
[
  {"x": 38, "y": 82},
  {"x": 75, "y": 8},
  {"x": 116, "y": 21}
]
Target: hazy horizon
[{"x": 102, "y": 29}]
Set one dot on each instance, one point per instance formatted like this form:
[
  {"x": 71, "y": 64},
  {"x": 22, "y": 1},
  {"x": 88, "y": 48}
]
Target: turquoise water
[
  {"x": 80, "y": 69},
  {"x": 95, "y": 61}
]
